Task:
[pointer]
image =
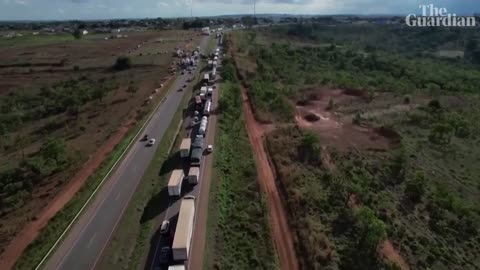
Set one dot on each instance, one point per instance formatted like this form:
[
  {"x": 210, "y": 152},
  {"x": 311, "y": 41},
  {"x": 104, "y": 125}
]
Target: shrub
[{"x": 122, "y": 63}]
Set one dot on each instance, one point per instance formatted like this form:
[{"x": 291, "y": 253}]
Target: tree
[
  {"x": 331, "y": 105},
  {"x": 54, "y": 149},
  {"x": 434, "y": 104},
  {"x": 99, "y": 93},
  {"x": 415, "y": 187},
  {"x": 77, "y": 34},
  {"x": 122, "y": 63},
  {"x": 132, "y": 89},
  {"x": 371, "y": 229},
  {"x": 310, "y": 146},
  {"x": 440, "y": 134}
]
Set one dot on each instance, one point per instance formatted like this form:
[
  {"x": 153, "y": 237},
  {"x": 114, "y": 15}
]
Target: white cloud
[
  {"x": 162, "y": 4},
  {"x": 21, "y": 2}
]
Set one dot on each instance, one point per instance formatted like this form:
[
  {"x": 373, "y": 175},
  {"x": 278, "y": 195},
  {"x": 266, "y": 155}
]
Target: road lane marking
[
  {"x": 91, "y": 240},
  {"x": 118, "y": 196}
]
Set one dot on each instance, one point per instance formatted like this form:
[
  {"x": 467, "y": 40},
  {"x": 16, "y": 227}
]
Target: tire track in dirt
[{"x": 282, "y": 234}]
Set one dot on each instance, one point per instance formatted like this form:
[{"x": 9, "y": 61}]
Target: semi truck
[
  {"x": 177, "y": 267},
  {"x": 210, "y": 91},
  {"x": 175, "y": 183},
  {"x": 197, "y": 152},
  {"x": 194, "y": 175},
  {"x": 185, "y": 147},
  {"x": 203, "y": 126},
  {"x": 203, "y": 90},
  {"x": 206, "y": 110},
  {"x": 183, "y": 232}
]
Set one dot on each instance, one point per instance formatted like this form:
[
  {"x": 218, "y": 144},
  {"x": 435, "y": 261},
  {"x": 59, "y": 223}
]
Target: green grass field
[{"x": 238, "y": 231}]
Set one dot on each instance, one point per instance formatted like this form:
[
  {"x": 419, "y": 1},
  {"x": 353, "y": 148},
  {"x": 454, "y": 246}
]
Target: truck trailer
[
  {"x": 175, "y": 183},
  {"x": 185, "y": 147},
  {"x": 194, "y": 175},
  {"x": 206, "y": 110},
  {"x": 183, "y": 232},
  {"x": 177, "y": 267}
]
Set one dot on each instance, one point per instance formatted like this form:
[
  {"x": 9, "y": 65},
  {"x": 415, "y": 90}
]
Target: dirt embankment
[{"x": 282, "y": 234}]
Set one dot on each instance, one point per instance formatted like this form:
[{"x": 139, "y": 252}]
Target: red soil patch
[
  {"x": 313, "y": 113},
  {"x": 391, "y": 254},
  {"x": 282, "y": 234}
]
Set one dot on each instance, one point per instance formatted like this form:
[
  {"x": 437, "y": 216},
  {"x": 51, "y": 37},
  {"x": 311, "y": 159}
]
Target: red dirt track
[{"x": 282, "y": 234}]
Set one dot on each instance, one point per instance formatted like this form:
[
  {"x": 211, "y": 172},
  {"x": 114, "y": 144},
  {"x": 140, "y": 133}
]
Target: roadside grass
[
  {"x": 55, "y": 227},
  {"x": 238, "y": 231},
  {"x": 139, "y": 222},
  {"x": 211, "y": 44},
  {"x": 28, "y": 40}
]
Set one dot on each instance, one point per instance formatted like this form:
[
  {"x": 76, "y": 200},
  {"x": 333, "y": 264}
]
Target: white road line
[
  {"x": 103, "y": 180},
  {"x": 91, "y": 240},
  {"x": 118, "y": 196}
]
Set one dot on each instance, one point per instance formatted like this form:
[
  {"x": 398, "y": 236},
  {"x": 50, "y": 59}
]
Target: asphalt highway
[
  {"x": 85, "y": 242},
  {"x": 200, "y": 191}
]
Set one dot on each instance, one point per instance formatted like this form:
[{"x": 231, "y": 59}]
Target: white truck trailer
[
  {"x": 194, "y": 175},
  {"x": 203, "y": 126},
  {"x": 183, "y": 233},
  {"x": 206, "y": 110},
  {"x": 176, "y": 267},
  {"x": 203, "y": 90},
  {"x": 175, "y": 183},
  {"x": 185, "y": 147}
]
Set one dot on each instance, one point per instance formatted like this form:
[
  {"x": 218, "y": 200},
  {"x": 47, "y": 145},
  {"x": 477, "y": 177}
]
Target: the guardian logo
[{"x": 437, "y": 17}]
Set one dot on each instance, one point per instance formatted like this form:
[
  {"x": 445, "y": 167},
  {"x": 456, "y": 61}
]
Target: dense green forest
[{"x": 421, "y": 194}]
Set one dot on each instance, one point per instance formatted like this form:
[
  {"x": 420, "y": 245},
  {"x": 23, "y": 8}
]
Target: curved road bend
[{"x": 84, "y": 243}]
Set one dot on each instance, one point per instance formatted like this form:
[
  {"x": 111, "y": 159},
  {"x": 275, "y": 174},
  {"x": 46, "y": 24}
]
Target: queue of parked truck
[{"x": 191, "y": 152}]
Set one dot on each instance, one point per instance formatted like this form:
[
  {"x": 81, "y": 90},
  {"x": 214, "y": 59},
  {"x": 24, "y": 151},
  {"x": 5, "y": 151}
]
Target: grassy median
[
  {"x": 238, "y": 231},
  {"x": 55, "y": 227}
]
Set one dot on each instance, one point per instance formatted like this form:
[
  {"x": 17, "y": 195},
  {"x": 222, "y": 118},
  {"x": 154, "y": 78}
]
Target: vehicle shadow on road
[
  {"x": 156, "y": 205},
  {"x": 173, "y": 162}
]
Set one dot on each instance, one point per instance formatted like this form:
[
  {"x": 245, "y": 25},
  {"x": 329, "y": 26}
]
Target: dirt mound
[{"x": 311, "y": 117}]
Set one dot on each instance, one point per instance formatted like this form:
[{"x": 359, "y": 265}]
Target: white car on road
[{"x": 151, "y": 142}]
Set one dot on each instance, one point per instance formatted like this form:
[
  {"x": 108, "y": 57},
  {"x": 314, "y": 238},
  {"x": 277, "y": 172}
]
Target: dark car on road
[{"x": 165, "y": 254}]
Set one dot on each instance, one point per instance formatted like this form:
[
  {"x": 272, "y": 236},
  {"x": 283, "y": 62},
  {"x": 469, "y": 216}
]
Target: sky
[{"x": 108, "y": 9}]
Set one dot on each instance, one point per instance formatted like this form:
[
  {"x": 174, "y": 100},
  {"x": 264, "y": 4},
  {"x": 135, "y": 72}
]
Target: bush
[
  {"x": 122, "y": 63},
  {"x": 415, "y": 187},
  {"x": 76, "y": 68},
  {"x": 407, "y": 99}
]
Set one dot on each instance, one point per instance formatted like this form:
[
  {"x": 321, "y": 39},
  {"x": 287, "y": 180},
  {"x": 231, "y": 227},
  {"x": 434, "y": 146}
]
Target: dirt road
[{"x": 278, "y": 219}]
